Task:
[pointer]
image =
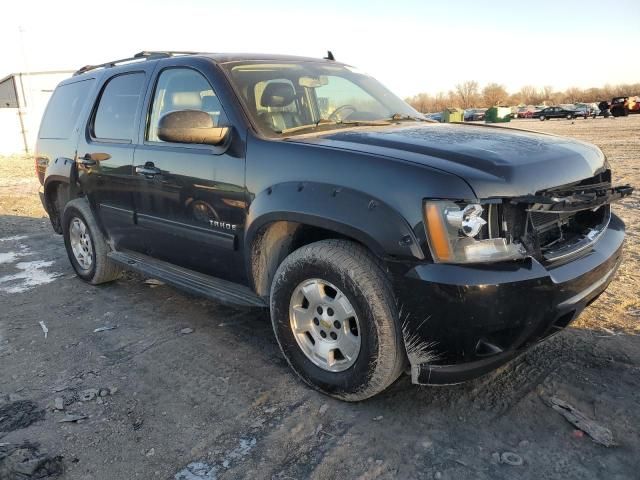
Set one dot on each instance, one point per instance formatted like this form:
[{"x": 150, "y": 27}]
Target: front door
[
  {"x": 190, "y": 199},
  {"x": 105, "y": 154}
]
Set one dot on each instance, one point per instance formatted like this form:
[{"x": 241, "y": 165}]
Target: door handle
[{"x": 148, "y": 170}]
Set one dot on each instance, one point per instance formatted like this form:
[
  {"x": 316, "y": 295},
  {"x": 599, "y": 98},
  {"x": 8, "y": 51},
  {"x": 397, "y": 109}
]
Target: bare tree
[
  {"x": 547, "y": 93},
  {"x": 573, "y": 95},
  {"x": 494, "y": 94},
  {"x": 420, "y": 102},
  {"x": 529, "y": 95},
  {"x": 467, "y": 93}
]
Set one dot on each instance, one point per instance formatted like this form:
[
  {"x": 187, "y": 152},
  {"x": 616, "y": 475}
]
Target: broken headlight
[{"x": 452, "y": 229}]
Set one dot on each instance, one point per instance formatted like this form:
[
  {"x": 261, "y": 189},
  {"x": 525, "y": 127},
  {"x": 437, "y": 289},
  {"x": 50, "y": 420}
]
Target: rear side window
[
  {"x": 116, "y": 113},
  {"x": 63, "y": 109}
]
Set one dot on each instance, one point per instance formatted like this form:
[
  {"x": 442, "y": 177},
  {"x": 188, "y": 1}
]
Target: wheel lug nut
[
  {"x": 316, "y": 321},
  {"x": 319, "y": 310},
  {"x": 330, "y": 311},
  {"x": 333, "y": 335},
  {"x": 323, "y": 334},
  {"x": 337, "y": 324}
]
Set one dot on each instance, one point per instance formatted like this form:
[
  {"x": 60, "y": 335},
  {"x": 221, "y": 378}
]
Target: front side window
[
  {"x": 183, "y": 89},
  {"x": 298, "y": 97},
  {"x": 116, "y": 113}
]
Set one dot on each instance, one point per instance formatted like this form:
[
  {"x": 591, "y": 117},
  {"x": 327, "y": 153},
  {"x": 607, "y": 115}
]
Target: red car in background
[{"x": 527, "y": 112}]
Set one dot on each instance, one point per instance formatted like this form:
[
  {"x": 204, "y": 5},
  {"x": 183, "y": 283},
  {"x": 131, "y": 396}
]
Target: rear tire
[
  {"x": 86, "y": 246},
  {"x": 350, "y": 274}
]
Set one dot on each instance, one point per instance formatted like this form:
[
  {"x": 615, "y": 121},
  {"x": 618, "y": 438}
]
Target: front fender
[{"x": 346, "y": 211}]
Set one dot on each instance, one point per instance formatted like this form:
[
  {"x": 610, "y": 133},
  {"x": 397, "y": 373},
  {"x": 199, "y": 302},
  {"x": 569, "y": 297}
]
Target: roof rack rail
[{"x": 146, "y": 55}]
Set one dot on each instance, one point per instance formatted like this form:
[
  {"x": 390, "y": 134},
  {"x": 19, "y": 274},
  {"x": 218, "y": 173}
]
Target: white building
[{"x": 23, "y": 99}]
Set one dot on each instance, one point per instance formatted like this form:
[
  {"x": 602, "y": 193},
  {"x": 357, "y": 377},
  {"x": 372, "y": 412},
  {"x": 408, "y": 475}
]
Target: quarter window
[
  {"x": 183, "y": 89},
  {"x": 64, "y": 108},
  {"x": 116, "y": 113}
]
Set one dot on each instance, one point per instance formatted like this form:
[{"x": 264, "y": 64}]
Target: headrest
[
  {"x": 186, "y": 101},
  {"x": 277, "y": 94},
  {"x": 210, "y": 103}
]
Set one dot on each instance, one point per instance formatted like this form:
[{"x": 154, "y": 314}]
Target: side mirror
[{"x": 190, "y": 126}]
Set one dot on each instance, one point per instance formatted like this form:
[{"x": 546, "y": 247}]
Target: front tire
[
  {"x": 542, "y": 117},
  {"x": 86, "y": 246},
  {"x": 334, "y": 315}
]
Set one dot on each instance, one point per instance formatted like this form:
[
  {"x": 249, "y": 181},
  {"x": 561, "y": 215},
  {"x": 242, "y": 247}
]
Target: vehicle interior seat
[
  {"x": 211, "y": 105},
  {"x": 181, "y": 93},
  {"x": 278, "y": 98},
  {"x": 184, "y": 101}
]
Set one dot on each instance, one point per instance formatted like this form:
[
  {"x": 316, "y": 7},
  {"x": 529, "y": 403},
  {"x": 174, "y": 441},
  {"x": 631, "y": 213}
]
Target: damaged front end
[
  {"x": 558, "y": 251},
  {"x": 559, "y": 223}
]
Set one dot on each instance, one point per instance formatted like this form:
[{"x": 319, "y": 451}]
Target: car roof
[
  {"x": 244, "y": 57},
  {"x": 220, "y": 58}
]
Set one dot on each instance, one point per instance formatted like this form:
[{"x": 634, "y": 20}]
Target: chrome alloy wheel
[
  {"x": 325, "y": 325},
  {"x": 81, "y": 243}
]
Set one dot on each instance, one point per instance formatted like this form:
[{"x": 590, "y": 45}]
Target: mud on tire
[
  {"x": 361, "y": 278},
  {"x": 101, "y": 269}
]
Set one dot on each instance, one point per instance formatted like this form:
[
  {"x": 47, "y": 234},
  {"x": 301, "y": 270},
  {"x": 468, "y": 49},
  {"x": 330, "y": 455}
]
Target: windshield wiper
[
  {"x": 322, "y": 121},
  {"x": 326, "y": 121},
  {"x": 400, "y": 116}
]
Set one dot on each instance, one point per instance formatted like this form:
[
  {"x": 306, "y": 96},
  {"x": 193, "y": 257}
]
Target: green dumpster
[
  {"x": 497, "y": 115},
  {"x": 452, "y": 115}
]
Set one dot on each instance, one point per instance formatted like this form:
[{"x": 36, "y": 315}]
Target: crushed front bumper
[{"x": 475, "y": 318}]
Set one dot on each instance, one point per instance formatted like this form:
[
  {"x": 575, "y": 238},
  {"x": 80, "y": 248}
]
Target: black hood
[{"x": 495, "y": 161}]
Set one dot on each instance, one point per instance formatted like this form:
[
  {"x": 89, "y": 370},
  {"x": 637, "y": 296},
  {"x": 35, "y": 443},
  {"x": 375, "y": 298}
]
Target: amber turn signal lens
[{"x": 438, "y": 236}]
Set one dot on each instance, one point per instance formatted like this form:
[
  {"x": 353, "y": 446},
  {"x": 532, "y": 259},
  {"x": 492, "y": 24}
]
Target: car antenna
[{"x": 329, "y": 56}]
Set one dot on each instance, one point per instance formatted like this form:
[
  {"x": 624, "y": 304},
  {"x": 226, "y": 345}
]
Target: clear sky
[{"x": 411, "y": 46}]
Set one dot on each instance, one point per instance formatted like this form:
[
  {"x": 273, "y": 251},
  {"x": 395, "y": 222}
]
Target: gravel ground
[{"x": 197, "y": 391}]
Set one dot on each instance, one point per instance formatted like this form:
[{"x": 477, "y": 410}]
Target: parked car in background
[
  {"x": 525, "y": 112},
  {"x": 474, "y": 114},
  {"x": 623, "y": 106},
  {"x": 603, "y": 108},
  {"x": 437, "y": 116},
  {"x": 583, "y": 110},
  {"x": 555, "y": 112}
]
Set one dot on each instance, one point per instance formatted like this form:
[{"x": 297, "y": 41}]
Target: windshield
[{"x": 292, "y": 98}]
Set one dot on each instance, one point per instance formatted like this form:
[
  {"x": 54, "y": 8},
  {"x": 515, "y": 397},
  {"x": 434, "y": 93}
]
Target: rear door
[
  {"x": 190, "y": 198},
  {"x": 58, "y": 137},
  {"x": 105, "y": 153}
]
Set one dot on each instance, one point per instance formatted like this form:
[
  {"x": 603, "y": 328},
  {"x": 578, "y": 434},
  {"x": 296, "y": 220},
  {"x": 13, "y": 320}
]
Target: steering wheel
[{"x": 337, "y": 113}]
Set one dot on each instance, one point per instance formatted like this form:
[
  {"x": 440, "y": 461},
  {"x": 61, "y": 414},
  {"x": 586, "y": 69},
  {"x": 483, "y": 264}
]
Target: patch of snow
[
  {"x": 197, "y": 471},
  {"x": 204, "y": 471},
  {"x": 13, "y": 239},
  {"x": 243, "y": 450},
  {"x": 31, "y": 275},
  {"x": 8, "y": 257}
]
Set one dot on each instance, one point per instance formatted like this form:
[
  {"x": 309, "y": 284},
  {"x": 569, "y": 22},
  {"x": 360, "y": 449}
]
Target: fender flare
[
  {"x": 61, "y": 170},
  {"x": 346, "y": 211}
]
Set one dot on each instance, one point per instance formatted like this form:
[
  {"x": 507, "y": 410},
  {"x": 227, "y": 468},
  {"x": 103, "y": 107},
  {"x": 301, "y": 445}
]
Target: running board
[{"x": 197, "y": 283}]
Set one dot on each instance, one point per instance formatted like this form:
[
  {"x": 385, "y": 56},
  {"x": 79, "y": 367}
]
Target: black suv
[{"x": 382, "y": 242}]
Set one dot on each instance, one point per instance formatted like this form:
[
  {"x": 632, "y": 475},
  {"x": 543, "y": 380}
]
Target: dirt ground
[{"x": 194, "y": 390}]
